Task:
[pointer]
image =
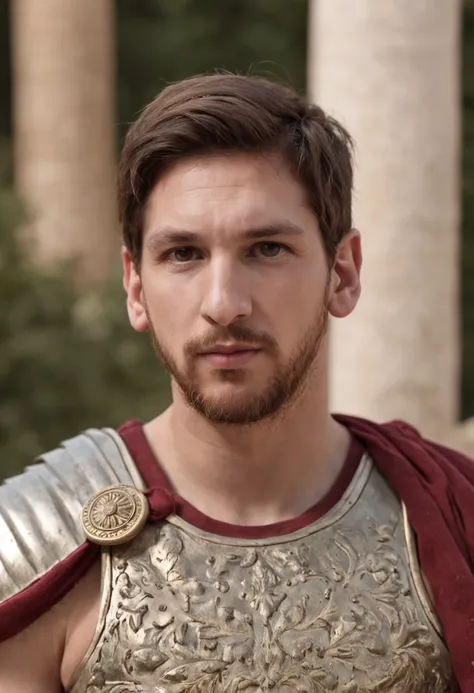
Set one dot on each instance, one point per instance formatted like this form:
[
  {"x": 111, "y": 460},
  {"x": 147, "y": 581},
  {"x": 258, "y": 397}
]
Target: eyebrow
[{"x": 170, "y": 236}]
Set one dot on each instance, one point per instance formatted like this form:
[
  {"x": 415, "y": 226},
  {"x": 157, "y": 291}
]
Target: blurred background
[{"x": 74, "y": 74}]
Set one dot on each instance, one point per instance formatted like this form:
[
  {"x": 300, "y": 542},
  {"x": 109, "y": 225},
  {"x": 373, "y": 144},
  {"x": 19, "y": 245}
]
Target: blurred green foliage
[
  {"x": 68, "y": 358},
  {"x": 160, "y": 41}
]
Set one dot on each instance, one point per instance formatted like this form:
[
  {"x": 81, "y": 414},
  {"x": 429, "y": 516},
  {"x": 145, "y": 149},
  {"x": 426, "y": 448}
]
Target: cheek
[
  {"x": 285, "y": 309},
  {"x": 294, "y": 297},
  {"x": 170, "y": 312},
  {"x": 294, "y": 309}
]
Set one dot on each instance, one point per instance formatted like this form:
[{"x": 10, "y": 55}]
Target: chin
[
  {"x": 233, "y": 405},
  {"x": 230, "y": 397},
  {"x": 230, "y": 416}
]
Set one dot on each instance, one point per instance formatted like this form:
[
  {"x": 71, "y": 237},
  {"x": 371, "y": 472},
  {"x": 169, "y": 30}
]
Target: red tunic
[{"x": 435, "y": 483}]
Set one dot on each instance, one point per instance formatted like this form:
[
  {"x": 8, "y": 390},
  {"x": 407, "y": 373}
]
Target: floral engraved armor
[{"x": 337, "y": 606}]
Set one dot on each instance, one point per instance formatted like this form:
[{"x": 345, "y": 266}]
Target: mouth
[
  {"x": 230, "y": 355},
  {"x": 230, "y": 348}
]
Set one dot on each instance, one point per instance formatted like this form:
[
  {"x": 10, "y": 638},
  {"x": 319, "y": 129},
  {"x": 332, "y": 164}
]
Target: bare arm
[
  {"x": 42, "y": 658},
  {"x": 30, "y": 662}
]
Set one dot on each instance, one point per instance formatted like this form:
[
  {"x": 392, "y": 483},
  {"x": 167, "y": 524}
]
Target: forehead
[{"x": 227, "y": 194}]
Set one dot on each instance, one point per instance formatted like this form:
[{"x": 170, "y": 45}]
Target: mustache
[{"x": 232, "y": 333}]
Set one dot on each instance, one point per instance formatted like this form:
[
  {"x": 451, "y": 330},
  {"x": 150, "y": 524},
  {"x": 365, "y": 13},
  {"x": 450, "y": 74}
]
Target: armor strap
[{"x": 40, "y": 510}]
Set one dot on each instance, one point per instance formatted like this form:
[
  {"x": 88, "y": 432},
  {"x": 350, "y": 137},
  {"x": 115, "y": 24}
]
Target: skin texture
[
  {"x": 232, "y": 254},
  {"x": 42, "y": 658}
]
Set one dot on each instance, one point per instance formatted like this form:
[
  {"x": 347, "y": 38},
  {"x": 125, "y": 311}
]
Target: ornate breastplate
[{"x": 337, "y": 606}]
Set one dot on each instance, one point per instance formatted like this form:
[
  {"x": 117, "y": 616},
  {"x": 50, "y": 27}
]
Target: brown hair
[{"x": 216, "y": 113}]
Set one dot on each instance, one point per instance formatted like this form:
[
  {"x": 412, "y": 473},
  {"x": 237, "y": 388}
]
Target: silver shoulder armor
[{"x": 40, "y": 510}]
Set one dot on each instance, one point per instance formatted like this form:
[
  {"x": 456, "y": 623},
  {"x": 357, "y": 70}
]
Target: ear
[
  {"x": 132, "y": 284},
  {"x": 345, "y": 276}
]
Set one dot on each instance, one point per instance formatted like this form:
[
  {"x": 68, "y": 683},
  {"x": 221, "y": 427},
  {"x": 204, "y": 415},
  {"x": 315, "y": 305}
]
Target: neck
[{"x": 252, "y": 475}]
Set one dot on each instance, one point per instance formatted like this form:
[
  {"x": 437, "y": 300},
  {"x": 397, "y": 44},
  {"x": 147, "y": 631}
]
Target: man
[{"x": 245, "y": 539}]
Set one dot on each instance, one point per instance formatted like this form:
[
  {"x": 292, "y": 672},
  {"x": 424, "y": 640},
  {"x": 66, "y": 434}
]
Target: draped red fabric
[
  {"x": 437, "y": 486},
  {"x": 155, "y": 479},
  {"x": 435, "y": 483},
  {"x": 19, "y": 611}
]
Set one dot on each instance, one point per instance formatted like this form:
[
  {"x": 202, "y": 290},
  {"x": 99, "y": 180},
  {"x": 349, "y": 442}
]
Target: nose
[{"x": 227, "y": 294}]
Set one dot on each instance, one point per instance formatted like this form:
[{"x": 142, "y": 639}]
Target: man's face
[{"x": 234, "y": 285}]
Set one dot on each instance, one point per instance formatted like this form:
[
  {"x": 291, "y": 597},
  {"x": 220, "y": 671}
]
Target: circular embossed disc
[{"x": 115, "y": 515}]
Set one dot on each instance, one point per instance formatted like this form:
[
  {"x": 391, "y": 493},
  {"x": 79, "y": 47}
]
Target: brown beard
[{"x": 282, "y": 390}]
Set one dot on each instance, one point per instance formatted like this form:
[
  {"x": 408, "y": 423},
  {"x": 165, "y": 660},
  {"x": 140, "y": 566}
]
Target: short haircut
[{"x": 229, "y": 113}]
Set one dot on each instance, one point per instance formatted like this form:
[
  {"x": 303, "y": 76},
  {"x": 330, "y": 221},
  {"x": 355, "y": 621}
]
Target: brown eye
[
  {"x": 184, "y": 254},
  {"x": 269, "y": 249}
]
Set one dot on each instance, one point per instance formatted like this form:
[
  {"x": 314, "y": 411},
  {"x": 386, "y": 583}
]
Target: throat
[{"x": 259, "y": 484}]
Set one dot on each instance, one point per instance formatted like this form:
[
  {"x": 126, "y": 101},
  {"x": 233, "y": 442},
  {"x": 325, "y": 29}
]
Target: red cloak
[{"x": 435, "y": 483}]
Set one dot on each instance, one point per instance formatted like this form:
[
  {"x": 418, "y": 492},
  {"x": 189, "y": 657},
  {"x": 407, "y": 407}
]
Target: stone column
[
  {"x": 64, "y": 112},
  {"x": 389, "y": 69}
]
